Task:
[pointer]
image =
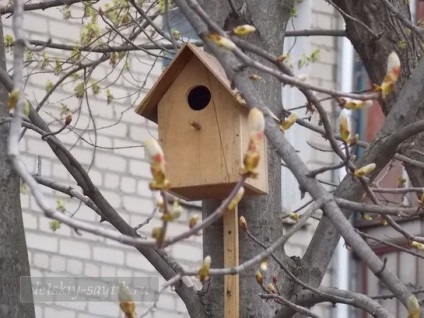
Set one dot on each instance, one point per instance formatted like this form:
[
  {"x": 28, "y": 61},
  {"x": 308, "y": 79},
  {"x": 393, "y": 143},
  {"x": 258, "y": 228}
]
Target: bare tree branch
[
  {"x": 296, "y": 33},
  {"x": 42, "y": 5},
  {"x": 378, "y": 209},
  {"x": 300, "y": 309},
  {"x": 288, "y": 154},
  {"x": 403, "y": 19},
  {"x": 307, "y": 298}
]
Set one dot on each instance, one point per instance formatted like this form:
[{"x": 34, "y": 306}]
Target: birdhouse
[{"x": 202, "y": 128}]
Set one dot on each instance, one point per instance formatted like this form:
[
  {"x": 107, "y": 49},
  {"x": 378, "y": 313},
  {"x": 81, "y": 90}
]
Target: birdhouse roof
[{"x": 148, "y": 107}]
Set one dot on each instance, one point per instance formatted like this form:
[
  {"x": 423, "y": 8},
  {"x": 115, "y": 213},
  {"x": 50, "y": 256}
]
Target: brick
[
  {"x": 323, "y": 41},
  {"x": 84, "y": 156},
  {"x": 91, "y": 270},
  {"x": 327, "y": 56},
  {"x": 325, "y": 71},
  {"x": 322, "y": 6},
  {"x": 86, "y": 214},
  {"x": 113, "y": 243},
  {"x": 167, "y": 301},
  {"x": 52, "y": 312},
  {"x": 140, "y": 133},
  {"x": 41, "y": 148},
  {"x": 36, "y": 272},
  {"x": 322, "y": 21},
  {"x": 128, "y": 185},
  {"x": 137, "y": 261},
  {"x": 41, "y": 260},
  {"x": 46, "y": 167},
  {"x": 74, "y": 267},
  {"x": 139, "y": 168},
  {"x": 131, "y": 117},
  {"x": 69, "y": 138},
  {"x": 112, "y": 181},
  {"x": 98, "y": 109},
  {"x": 104, "y": 255},
  {"x": 172, "y": 314},
  {"x": 46, "y": 243},
  {"x": 44, "y": 226},
  {"x": 85, "y": 315},
  {"x": 108, "y": 161},
  {"x": 143, "y": 188},
  {"x": 75, "y": 248},
  {"x": 136, "y": 204},
  {"x": 106, "y": 309},
  {"x": 328, "y": 84},
  {"x": 128, "y": 148},
  {"x": 102, "y": 142},
  {"x": 187, "y": 252},
  {"x": 76, "y": 306},
  {"x": 107, "y": 271},
  {"x": 123, "y": 272},
  {"x": 58, "y": 29},
  {"x": 30, "y": 220},
  {"x": 57, "y": 263},
  {"x": 112, "y": 128},
  {"x": 88, "y": 238}
]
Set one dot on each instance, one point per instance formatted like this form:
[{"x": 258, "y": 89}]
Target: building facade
[{"x": 117, "y": 165}]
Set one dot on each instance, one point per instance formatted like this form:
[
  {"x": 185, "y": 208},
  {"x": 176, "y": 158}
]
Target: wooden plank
[
  {"x": 217, "y": 191},
  {"x": 231, "y": 259}
]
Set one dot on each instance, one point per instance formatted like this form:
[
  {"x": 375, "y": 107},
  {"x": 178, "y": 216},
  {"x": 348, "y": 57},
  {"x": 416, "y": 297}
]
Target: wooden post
[{"x": 231, "y": 259}]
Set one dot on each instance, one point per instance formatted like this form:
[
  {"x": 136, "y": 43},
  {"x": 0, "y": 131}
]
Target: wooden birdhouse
[{"x": 202, "y": 128}]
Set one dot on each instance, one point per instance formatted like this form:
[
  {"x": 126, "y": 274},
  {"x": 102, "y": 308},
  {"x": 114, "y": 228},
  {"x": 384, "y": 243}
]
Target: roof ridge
[{"x": 148, "y": 106}]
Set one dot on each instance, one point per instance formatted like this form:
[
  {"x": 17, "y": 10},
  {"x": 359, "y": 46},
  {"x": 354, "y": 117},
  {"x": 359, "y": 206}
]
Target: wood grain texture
[
  {"x": 205, "y": 163},
  {"x": 231, "y": 259}
]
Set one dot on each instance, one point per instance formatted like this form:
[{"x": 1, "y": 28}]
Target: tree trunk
[
  {"x": 13, "y": 250},
  {"x": 263, "y": 213},
  {"x": 387, "y": 34},
  {"x": 398, "y": 37}
]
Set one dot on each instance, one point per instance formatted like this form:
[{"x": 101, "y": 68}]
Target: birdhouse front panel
[
  {"x": 202, "y": 128},
  {"x": 201, "y": 131}
]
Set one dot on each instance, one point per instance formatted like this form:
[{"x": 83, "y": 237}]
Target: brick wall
[
  {"x": 323, "y": 73},
  {"x": 122, "y": 174}
]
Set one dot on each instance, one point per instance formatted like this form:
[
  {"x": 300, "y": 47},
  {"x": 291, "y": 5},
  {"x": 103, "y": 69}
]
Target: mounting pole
[{"x": 231, "y": 259}]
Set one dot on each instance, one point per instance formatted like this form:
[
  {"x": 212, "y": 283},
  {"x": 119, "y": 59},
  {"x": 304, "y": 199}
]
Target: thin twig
[
  {"x": 348, "y": 16},
  {"x": 332, "y": 33},
  {"x": 403, "y": 19},
  {"x": 280, "y": 241},
  {"x": 291, "y": 305},
  {"x": 43, "y": 5}
]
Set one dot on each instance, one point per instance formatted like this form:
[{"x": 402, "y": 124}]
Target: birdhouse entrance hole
[{"x": 199, "y": 97}]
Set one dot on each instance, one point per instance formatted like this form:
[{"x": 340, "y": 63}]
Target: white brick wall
[{"x": 121, "y": 174}]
